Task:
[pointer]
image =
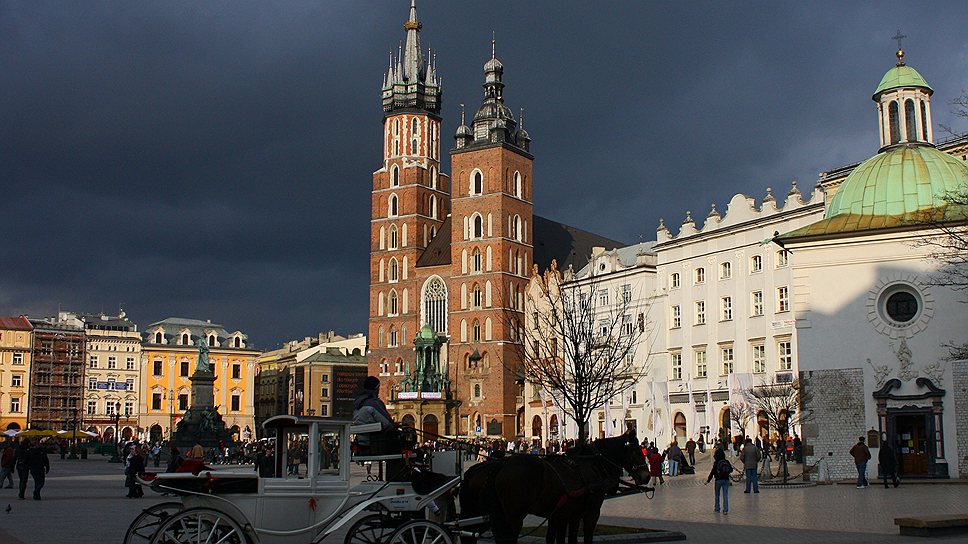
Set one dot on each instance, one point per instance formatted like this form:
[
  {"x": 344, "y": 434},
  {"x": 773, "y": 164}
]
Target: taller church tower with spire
[{"x": 410, "y": 200}]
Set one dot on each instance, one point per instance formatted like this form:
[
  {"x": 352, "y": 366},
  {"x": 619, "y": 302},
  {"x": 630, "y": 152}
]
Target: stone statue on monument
[{"x": 202, "y": 364}]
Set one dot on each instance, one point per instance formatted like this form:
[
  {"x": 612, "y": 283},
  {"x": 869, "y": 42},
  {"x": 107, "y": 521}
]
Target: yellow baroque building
[
  {"x": 15, "y": 351},
  {"x": 168, "y": 356}
]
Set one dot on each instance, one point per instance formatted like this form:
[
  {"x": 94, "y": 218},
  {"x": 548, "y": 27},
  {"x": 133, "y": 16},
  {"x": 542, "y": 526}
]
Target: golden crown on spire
[{"x": 412, "y": 25}]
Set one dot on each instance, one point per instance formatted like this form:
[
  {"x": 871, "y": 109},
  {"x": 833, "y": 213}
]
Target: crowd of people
[{"x": 28, "y": 458}]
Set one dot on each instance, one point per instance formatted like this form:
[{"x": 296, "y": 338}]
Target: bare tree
[
  {"x": 580, "y": 342},
  {"x": 959, "y": 108},
  {"x": 781, "y": 403},
  {"x": 741, "y": 413}
]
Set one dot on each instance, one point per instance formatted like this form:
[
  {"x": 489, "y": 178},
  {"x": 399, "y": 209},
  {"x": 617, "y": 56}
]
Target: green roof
[
  {"x": 901, "y": 76},
  {"x": 904, "y": 185}
]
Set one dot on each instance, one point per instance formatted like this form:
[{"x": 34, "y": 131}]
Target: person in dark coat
[
  {"x": 888, "y": 462},
  {"x": 175, "y": 460},
  {"x": 136, "y": 466},
  {"x": 20, "y": 463},
  {"x": 368, "y": 408},
  {"x": 32, "y": 459}
]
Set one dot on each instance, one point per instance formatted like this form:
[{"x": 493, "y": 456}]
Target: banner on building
[{"x": 347, "y": 382}]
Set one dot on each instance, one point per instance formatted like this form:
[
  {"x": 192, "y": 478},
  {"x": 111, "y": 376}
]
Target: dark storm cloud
[{"x": 214, "y": 159}]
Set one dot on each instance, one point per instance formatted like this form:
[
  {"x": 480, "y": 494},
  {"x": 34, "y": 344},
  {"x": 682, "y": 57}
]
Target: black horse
[{"x": 566, "y": 489}]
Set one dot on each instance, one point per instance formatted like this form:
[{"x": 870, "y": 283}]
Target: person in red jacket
[{"x": 655, "y": 464}]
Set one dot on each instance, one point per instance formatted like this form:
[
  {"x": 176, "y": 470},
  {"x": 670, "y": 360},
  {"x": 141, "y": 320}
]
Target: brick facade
[
  {"x": 959, "y": 376},
  {"x": 835, "y": 400}
]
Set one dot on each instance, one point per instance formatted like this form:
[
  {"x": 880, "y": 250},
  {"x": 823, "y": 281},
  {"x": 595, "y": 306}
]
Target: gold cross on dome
[{"x": 898, "y": 37}]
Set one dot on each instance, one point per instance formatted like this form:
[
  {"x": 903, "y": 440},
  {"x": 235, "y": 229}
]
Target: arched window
[
  {"x": 517, "y": 228},
  {"x": 406, "y": 301},
  {"x": 414, "y": 130},
  {"x": 394, "y": 270},
  {"x": 403, "y": 335},
  {"x": 413, "y": 146},
  {"x": 394, "y": 176},
  {"x": 477, "y": 260},
  {"x": 895, "y": 122},
  {"x": 396, "y": 127},
  {"x": 924, "y": 122},
  {"x": 477, "y": 183},
  {"x": 478, "y": 226},
  {"x": 392, "y": 338},
  {"x": 393, "y": 237},
  {"x": 435, "y": 304},
  {"x": 379, "y": 305},
  {"x": 433, "y": 176},
  {"x": 211, "y": 340},
  {"x": 380, "y": 338},
  {"x": 432, "y": 212},
  {"x": 477, "y": 390},
  {"x": 476, "y": 296},
  {"x": 392, "y": 209},
  {"x": 158, "y": 337},
  {"x": 477, "y": 331},
  {"x": 910, "y": 119},
  {"x": 184, "y": 339},
  {"x": 517, "y": 184},
  {"x": 393, "y": 303}
]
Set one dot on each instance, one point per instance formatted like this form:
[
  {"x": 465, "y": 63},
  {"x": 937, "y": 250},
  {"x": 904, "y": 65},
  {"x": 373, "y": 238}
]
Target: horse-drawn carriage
[{"x": 309, "y": 496}]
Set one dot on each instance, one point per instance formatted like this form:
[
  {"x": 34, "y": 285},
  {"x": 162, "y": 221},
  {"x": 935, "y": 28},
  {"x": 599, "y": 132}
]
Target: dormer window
[
  {"x": 159, "y": 337},
  {"x": 211, "y": 340},
  {"x": 238, "y": 341},
  {"x": 184, "y": 338}
]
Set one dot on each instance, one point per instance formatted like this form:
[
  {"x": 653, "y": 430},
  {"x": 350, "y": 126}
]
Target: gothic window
[
  {"x": 392, "y": 342},
  {"x": 517, "y": 185},
  {"x": 413, "y": 146},
  {"x": 477, "y": 183},
  {"x": 476, "y": 294},
  {"x": 433, "y": 176},
  {"x": 477, "y": 331},
  {"x": 435, "y": 304},
  {"x": 394, "y": 176},
  {"x": 487, "y": 329},
  {"x": 516, "y": 228},
  {"x": 392, "y": 209},
  {"x": 392, "y": 310},
  {"x": 910, "y": 120},
  {"x": 477, "y": 260},
  {"x": 406, "y": 303},
  {"x": 478, "y": 226},
  {"x": 895, "y": 122},
  {"x": 383, "y": 238},
  {"x": 394, "y": 270},
  {"x": 380, "y": 338},
  {"x": 393, "y": 237},
  {"x": 379, "y": 306},
  {"x": 432, "y": 212},
  {"x": 403, "y": 335}
]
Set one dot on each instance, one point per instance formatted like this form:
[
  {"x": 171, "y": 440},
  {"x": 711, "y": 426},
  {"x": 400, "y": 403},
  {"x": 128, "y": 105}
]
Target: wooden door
[{"x": 911, "y": 442}]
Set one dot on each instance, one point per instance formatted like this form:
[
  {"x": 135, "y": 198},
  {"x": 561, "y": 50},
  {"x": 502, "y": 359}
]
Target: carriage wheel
[
  {"x": 200, "y": 525},
  {"x": 421, "y": 532},
  {"x": 371, "y": 529},
  {"x": 144, "y": 526}
]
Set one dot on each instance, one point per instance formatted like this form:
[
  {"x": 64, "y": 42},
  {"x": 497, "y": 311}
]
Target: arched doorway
[
  {"x": 155, "y": 433},
  {"x": 409, "y": 421},
  {"x": 763, "y": 425},
  {"x": 726, "y": 421},
  {"x": 536, "y": 427},
  {"x": 553, "y": 426},
  {"x": 679, "y": 424},
  {"x": 430, "y": 424},
  {"x": 13, "y": 426}
]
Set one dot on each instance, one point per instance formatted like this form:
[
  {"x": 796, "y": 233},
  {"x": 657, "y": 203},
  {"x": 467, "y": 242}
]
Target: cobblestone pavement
[{"x": 84, "y": 503}]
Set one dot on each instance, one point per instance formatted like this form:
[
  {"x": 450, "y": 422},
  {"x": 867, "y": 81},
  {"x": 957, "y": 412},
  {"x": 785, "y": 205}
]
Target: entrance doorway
[
  {"x": 679, "y": 424},
  {"x": 911, "y": 443},
  {"x": 430, "y": 423}
]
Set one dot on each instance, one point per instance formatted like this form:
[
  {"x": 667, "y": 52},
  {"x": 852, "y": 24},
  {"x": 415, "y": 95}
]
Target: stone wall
[
  {"x": 959, "y": 375},
  {"x": 835, "y": 400}
]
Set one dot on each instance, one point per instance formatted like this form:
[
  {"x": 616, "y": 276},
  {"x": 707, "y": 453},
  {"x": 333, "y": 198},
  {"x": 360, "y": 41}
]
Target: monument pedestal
[{"x": 202, "y": 424}]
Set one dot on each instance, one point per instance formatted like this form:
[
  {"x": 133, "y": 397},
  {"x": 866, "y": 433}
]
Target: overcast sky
[{"x": 213, "y": 160}]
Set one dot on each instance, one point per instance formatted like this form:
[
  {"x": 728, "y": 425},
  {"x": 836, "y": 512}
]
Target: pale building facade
[{"x": 16, "y": 343}]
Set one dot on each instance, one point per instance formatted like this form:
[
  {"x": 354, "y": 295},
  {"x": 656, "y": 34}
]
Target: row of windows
[
  {"x": 110, "y": 407},
  {"x": 913, "y": 130},
  {"x": 727, "y": 361},
  {"x": 185, "y": 339},
  {"x": 396, "y": 337},
  {"x": 432, "y": 178},
  {"x": 414, "y": 138},
  {"x": 109, "y": 347},
  {"x": 476, "y": 184},
  {"x": 782, "y": 304},
  {"x": 92, "y": 384},
  {"x": 180, "y": 402},
  {"x": 185, "y": 368},
  {"x": 782, "y": 260},
  {"x": 112, "y": 362},
  {"x": 474, "y": 227}
]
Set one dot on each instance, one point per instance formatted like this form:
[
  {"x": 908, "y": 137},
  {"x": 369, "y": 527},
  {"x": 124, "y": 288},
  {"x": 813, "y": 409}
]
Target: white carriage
[{"x": 308, "y": 497}]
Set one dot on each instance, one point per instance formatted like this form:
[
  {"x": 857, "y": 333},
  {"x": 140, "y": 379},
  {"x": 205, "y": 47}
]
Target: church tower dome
[{"x": 903, "y": 100}]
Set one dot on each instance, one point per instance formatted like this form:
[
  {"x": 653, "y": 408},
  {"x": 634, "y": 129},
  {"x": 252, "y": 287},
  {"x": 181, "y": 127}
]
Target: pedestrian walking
[
  {"x": 136, "y": 466},
  {"x": 655, "y": 464},
  {"x": 751, "y": 459},
  {"x": 197, "y": 452},
  {"x": 861, "y": 455},
  {"x": 691, "y": 450},
  {"x": 6, "y": 464},
  {"x": 888, "y": 462},
  {"x": 672, "y": 455},
  {"x": 721, "y": 470},
  {"x": 31, "y": 460},
  {"x": 701, "y": 443}
]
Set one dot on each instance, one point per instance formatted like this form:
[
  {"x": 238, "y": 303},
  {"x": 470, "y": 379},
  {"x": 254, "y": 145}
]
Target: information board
[{"x": 347, "y": 383}]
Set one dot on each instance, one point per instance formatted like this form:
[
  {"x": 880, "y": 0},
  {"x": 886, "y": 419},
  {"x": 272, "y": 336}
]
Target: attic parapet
[{"x": 741, "y": 209}]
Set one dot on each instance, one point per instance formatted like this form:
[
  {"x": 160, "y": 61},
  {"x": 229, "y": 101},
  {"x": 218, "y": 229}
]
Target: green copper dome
[
  {"x": 901, "y": 76},
  {"x": 900, "y": 181},
  {"x": 426, "y": 332}
]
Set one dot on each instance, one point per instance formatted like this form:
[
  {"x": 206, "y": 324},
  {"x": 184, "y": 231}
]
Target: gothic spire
[{"x": 412, "y": 82}]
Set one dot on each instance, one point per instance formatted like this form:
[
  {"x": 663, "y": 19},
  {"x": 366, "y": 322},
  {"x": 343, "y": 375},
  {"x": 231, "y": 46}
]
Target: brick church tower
[
  {"x": 410, "y": 200},
  {"x": 491, "y": 256}
]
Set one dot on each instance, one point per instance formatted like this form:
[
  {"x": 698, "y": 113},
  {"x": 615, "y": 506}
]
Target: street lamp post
[
  {"x": 171, "y": 411},
  {"x": 116, "y": 458},
  {"x": 73, "y": 423}
]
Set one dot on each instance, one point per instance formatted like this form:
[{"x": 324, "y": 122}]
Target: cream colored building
[{"x": 16, "y": 343}]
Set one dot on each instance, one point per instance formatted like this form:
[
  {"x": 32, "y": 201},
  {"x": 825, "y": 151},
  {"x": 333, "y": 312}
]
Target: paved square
[{"x": 84, "y": 503}]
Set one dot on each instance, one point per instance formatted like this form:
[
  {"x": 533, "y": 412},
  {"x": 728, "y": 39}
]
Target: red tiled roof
[{"x": 15, "y": 324}]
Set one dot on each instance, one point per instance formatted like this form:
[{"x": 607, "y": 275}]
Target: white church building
[{"x": 834, "y": 287}]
